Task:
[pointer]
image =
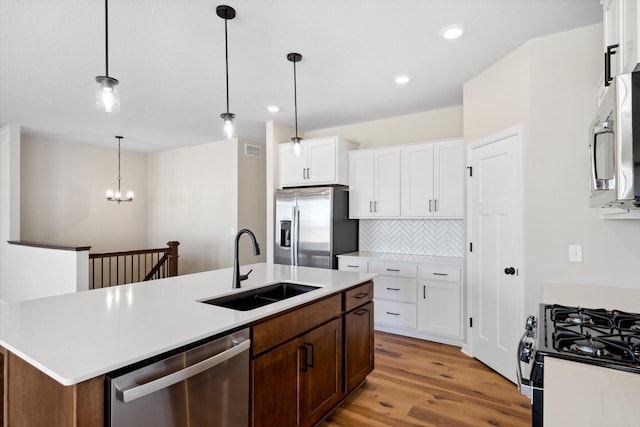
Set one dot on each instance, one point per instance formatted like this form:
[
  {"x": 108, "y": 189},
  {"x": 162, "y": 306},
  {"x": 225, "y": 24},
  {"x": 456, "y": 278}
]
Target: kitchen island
[{"x": 76, "y": 339}]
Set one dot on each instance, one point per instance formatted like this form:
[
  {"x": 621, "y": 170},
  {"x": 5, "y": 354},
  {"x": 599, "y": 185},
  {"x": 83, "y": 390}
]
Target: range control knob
[{"x": 531, "y": 323}]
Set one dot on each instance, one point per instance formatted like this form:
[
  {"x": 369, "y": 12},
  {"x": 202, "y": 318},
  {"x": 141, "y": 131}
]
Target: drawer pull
[
  {"x": 361, "y": 295},
  {"x": 393, "y": 289},
  {"x": 395, "y": 270},
  {"x": 361, "y": 312},
  {"x": 353, "y": 266},
  {"x": 393, "y": 314},
  {"x": 440, "y": 274}
]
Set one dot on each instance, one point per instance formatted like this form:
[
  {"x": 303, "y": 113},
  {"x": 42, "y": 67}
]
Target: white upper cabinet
[
  {"x": 322, "y": 161},
  {"x": 374, "y": 183},
  {"x": 620, "y": 18},
  {"x": 433, "y": 180}
]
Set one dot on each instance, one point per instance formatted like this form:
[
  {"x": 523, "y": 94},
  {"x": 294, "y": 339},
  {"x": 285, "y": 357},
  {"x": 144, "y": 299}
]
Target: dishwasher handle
[{"x": 181, "y": 375}]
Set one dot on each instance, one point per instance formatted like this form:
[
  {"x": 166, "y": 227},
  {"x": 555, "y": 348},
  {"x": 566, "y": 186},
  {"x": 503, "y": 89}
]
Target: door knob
[{"x": 510, "y": 270}]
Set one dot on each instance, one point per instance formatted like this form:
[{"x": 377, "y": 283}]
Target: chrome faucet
[{"x": 237, "y": 277}]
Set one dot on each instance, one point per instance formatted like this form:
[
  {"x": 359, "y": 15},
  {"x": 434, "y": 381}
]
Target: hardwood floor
[{"x": 421, "y": 383}]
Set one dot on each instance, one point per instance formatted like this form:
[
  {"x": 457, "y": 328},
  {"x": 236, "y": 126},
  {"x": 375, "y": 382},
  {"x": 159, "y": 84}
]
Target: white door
[
  {"x": 448, "y": 179},
  {"x": 387, "y": 183},
  {"x": 292, "y": 168},
  {"x": 417, "y": 181},
  {"x": 321, "y": 161},
  {"x": 361, "y": 173},
  {"x": 495, "y": 233}
]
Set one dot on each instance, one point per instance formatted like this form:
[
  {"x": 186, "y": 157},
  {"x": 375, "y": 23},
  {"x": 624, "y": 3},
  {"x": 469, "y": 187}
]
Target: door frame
[{"x": 518, "y": 132}]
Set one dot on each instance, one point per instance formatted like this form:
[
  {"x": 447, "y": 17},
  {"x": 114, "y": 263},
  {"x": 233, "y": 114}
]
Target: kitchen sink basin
[{"x": 256, "y": 298}]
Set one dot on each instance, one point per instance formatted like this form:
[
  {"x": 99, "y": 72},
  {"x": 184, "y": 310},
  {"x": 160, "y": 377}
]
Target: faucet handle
[{"x": 245, "y": 276}]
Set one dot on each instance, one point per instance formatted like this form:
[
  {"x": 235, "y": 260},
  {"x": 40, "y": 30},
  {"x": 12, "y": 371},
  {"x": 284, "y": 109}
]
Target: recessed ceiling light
[
  {"x": 452, "y": 32},
  {"x": 273, "y": 108},
  {"x": 402, "y": 80}
]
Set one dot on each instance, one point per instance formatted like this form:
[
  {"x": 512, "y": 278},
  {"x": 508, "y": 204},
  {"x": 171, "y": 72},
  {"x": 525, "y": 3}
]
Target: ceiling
[{"x": 169, "y": 58}]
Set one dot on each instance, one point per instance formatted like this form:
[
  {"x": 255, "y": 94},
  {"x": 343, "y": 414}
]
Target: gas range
[
  {"x": 595, "y": 352},
  {"x": 609, "y": 338}
]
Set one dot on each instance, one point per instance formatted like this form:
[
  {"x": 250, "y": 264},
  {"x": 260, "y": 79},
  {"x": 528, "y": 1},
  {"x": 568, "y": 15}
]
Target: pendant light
[
  {"x": 107, "y": 93},
  {"x": 296, "y": 142},
  {"x": 226, "y": 13},
  {"x": 117, "y": 196}
]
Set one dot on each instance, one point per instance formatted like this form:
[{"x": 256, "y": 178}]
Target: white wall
[
  {"x": 418, "y": 127},
  {"x": 550, "y": 86},
  {"x": 252, "y": 203},
  {"x": 9, "y": 201},
  {"x": 63, "y": 195},
  {"x": 192, "y": 198},
  {"x": 39, "y": 272},
  {"x": 275, "y": 134}
]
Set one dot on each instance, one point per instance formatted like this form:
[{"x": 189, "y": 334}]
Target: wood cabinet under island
[{"x": 308, "y": 352}]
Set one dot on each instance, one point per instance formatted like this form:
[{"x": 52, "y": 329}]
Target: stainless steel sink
[{"x": 256, "y": 298}]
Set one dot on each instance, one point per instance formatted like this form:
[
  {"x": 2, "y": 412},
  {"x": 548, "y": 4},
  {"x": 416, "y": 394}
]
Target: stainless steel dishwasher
[{"x": 207, "y": 385}]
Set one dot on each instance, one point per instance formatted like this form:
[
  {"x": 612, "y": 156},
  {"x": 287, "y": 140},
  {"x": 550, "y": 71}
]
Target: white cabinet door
[
  {"x": 629, "y": 35},
  {"x": 387, "y": 183},
  {"x": 417, "y": 181},
  {"x": 433, "y": 180},
  {"x": 361, "y": 171},
  {"x": 439, "y": 301},
  {"x": 439, "y": 309},
  {"x": 612, "y": 20},
  {"x": 321, "y": 161},
  {"x": 292, "y": 168},
  {"x": 448, "y": 182}
]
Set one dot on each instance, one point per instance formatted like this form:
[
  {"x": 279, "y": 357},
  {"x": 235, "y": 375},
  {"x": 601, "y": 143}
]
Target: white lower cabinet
[
  {"x": 440, "y": 308},
  {"x": 417, "y": 300}
]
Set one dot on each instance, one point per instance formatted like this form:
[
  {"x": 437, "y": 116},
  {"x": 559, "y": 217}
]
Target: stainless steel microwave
[{"x": 614, "y": 149}]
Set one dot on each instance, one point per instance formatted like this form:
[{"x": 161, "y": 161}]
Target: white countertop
[
  {"x": 418, "y": 259},
  {"x": 79, "y": 336}
]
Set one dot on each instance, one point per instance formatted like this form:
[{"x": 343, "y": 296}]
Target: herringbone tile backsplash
[{"x": 436, "y": 237}]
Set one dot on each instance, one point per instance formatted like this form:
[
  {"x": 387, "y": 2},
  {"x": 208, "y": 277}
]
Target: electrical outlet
[{"x": 575, "y": 253}]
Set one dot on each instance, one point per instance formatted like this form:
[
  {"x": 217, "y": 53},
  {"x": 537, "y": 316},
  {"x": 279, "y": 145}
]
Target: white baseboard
[{"x": 414, "y": 333}]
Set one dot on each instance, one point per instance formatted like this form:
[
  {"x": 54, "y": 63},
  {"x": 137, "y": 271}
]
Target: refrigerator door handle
[{"x": 296, "y": 236}]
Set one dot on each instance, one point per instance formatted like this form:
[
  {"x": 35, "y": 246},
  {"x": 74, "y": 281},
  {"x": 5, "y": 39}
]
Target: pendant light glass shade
[
  {"x": 107, "y": 93},
  {"x": 226, "y": 13}
]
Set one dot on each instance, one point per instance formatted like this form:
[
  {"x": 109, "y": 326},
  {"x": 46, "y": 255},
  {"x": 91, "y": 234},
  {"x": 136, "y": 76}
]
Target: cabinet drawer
[
  {"x": 357, "y": 296},
  {"x": 282, "y": 328},
  {"x": 352, "y": 264},
  {"x": 391, "y": 268},
  {"x": 440, "y": 274},
  {"x": 396, "y": 313},
  {"x": 396, "y": 289}
]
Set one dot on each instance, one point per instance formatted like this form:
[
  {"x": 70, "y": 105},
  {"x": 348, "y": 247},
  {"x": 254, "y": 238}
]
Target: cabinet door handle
[
  {"x": 430, "y": 205},
  {"x": 361, "y": 312},
  {"x": 305, "y": 367},
  {"x": 393, "y": 289},
  {"x": 375, "y": 206},
  {"x": 370, "y": 206},
  {"x": 393, "y": 314},
  {"x": 313, "y": 355},
  {"x": 361, "y": 295},
  {"x": 435, "y": 205},
  {"x": 611, "y": 50},
  {"x": 424, "y": 292},
  {"x": 308, "y": 173},
  {"x": 440, "y": 274},
  {"x": 304, "y": 173},
  {"x": 395, "y": 270}
]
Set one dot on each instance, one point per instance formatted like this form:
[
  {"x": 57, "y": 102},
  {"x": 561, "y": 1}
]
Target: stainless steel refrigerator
[{"x": 313, "y": 226}]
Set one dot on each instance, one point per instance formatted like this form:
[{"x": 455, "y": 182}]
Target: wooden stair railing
[{"x": 119, "y": 268}]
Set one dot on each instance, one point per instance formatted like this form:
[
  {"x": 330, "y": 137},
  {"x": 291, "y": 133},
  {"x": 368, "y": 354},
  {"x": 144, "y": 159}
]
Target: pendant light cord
[
  {"x": 295, "y": 96},
  {"x": 226, "y": 60},
  {"x": 106, "y": 34},
  {"x": 119, "y": 139}
]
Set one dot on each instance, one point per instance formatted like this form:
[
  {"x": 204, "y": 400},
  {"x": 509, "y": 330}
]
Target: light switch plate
[{"x": 575, "y": 253}]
